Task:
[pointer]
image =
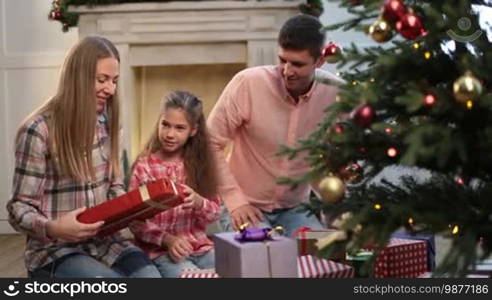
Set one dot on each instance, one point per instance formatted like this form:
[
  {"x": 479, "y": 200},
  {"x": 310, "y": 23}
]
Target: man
[{"x": 261, "y": 109}]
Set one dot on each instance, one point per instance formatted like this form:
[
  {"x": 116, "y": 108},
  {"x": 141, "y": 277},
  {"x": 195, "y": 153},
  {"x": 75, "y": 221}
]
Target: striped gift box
[
  {"x": 197, "y": 273},
  {"x": 309, "y": 266}
]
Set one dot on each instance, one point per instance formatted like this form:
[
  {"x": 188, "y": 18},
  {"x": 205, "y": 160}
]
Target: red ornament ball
[
  {"x": 393, "y": 11},
  {"x": 363, "y": 115},
  {"x": 332, "y": 53},
  {"x": 410, "y": 26},
  {"x": 55, "y": 15}
]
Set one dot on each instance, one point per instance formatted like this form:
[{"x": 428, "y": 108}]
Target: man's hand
[
  {"x": 178, "y": 247},
  {"x": 69, "y": 229},
  {"x": 245, "y": 214}
]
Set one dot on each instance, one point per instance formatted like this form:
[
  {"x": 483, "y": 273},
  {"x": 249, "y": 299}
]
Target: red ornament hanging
[
  {"x": 393, "y": 11},
  {"x": 55, "y": 15},
  {"x": 363, "y": 115},
  {"x": 410, "y": 26},
  {"x": 332, "y": 53},
  {"x": 353, "y": 173}
]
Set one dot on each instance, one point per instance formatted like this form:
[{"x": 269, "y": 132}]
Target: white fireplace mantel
[{"x": 184, "y": 33}]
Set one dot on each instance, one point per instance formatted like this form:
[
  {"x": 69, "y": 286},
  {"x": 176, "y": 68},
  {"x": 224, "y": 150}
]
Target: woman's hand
[{"x": 67, "y": 227}]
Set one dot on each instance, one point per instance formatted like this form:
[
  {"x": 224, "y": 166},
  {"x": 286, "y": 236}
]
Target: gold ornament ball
[
  {"x": 380, "y": 31},
  {"x": 332, "y": 189},
  {"x": 466, "y": 88}
]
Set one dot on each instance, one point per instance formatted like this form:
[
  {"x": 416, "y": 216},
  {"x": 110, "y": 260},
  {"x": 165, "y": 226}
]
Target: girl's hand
[
  {"x": 69, "y": 229},
  {"x": 193, "y": 200},
  {"x": 178, "y": 247}
]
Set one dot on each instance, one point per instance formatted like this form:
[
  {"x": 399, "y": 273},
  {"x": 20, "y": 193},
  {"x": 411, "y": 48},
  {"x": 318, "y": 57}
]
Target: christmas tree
[{"x": 419, "y": 101}]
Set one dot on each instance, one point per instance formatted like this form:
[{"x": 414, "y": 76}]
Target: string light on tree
[
  {"x": 392, "y": 152},
  {"x": 429, "y": 99},
  {"x": 377, "y": 206}
]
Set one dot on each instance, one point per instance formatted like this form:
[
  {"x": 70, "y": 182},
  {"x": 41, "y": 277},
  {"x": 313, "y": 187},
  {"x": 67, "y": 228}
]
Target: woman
[{"x": 66, "y": 159}]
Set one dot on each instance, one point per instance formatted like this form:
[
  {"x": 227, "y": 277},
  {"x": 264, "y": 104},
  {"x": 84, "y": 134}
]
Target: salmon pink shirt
[{"x": 257, "y": 114}]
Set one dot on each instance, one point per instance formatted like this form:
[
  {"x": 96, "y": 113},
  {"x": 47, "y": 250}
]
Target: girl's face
[
  {"x": 107, "y": 73},
  {"x": 174, "y": 131}
]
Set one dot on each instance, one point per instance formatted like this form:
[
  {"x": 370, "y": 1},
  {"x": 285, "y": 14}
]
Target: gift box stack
[
  {"x": 138, "y": 204},
  {"x": 401, "y": 258}
]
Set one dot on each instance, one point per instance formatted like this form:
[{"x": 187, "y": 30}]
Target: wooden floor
[{"x": 11, "y": 255}]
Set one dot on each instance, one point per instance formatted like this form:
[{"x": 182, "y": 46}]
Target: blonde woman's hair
[
  {"x": 71, "y": 111},
  {"x": 199, "y": 161}
]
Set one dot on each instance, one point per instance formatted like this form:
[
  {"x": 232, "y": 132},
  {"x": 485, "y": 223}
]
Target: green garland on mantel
[{"x": 60, "y": 13}]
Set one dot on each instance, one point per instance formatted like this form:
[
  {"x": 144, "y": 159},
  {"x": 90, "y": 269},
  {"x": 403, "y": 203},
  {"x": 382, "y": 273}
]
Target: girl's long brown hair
[
  {"x": 72, "y": 110},
  {"x": 199, "y": 162}
]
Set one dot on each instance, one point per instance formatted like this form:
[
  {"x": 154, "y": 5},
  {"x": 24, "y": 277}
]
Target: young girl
[
  {"x": 66, "y": 159},
  {"x": 178, "y": 149}
]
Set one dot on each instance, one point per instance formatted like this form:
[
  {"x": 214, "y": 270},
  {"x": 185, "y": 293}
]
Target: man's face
[{"x": 297, "y": 68}]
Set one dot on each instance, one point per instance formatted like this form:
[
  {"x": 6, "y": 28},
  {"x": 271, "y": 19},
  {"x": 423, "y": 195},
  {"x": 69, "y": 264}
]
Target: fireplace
[{"x": 196, "y": 46}]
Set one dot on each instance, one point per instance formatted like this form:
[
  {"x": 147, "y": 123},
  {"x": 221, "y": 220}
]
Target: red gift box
[
  {"x": 139, "y": 204},
  {"x": 313, "y": 267},
  {"x": 402, "y": 258}
]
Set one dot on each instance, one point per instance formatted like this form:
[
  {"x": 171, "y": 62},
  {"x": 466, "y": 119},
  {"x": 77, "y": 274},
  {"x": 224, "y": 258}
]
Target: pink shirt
[
  {"x": 177, "y": 221},
  {"x": 258, "y": 115}
]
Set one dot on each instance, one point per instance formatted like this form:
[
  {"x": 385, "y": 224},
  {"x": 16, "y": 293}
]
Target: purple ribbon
[{"x": 253, "y": 234}]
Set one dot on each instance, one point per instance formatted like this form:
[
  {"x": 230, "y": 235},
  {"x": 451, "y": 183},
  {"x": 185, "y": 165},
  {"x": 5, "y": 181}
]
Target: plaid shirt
[
  {"x": 188, "y": 223},
  {"x": 41, "y": 193}
]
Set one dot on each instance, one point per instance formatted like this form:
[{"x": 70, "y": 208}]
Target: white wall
[{"x": 32, "y": 49}]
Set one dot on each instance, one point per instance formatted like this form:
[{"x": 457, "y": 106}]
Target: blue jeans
[
  {"x": 290, "y": 219},
  {"x": 131, "y": 263},
  {"x": 170, "y": 269}
]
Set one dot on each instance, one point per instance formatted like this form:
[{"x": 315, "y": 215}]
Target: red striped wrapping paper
[
  {"x": 198, "y": 273},
  {"x": 308, "y": 266},
  {"x": 312, "y": 267}
]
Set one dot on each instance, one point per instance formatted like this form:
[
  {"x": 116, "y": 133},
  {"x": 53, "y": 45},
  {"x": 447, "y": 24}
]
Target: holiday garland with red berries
[
  {"x": 419, "y": 102},
  {"x": 60, "y": 13}
]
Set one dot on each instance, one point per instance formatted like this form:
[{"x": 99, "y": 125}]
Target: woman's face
[{"x": 107, "y": 74}]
